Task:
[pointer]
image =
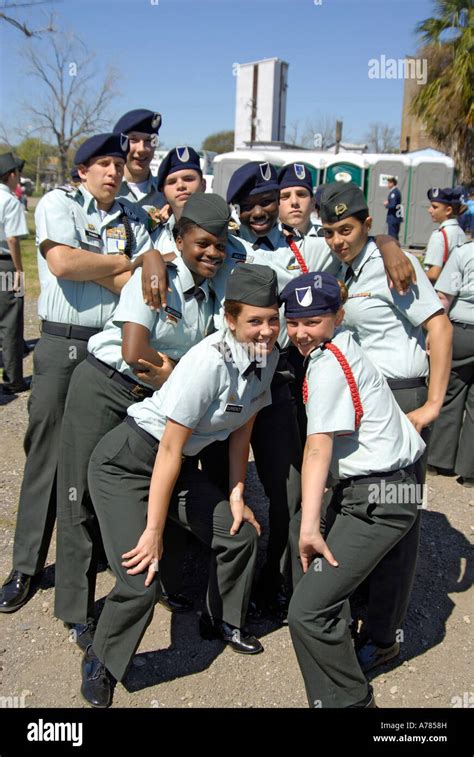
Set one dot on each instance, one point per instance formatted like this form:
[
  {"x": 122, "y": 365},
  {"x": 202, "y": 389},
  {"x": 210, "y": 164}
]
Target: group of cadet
[{"x": 172, "y": 340}]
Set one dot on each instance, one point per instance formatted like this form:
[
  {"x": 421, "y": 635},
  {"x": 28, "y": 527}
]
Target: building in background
[
  {"x": 413, "y": 135},
  {"x": 260, "y": 111}
]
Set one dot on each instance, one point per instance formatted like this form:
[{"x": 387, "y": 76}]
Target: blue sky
[{"x": 176, "y": 56}]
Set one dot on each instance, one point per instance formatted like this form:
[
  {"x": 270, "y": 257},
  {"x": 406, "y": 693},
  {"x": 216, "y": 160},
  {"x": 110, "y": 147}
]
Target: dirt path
[{"x": 175, "y": 668}]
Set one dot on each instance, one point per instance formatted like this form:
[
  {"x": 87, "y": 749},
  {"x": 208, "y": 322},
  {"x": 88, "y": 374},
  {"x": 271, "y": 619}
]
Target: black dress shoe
[
  {"x": 236, "y": 638},
  {"x": 17, "y": 388},
  {"x": 82, "y": 633},
  {"x": 370, "y": 656},
  {"x": 176, "y": 602},
  {"x": 274, "y": 607},
  {"x": 97, "y": 683},
  {"x": 14, "y": 592}
]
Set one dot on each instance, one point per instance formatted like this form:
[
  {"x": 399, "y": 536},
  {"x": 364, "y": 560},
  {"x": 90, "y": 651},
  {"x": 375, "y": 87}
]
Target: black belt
[
  {"x": 83, "y": 333},
  {"x": 463, "y": 325},
  {"x": 6, "y": 257},
  {"x": 149, "y": 438},
  {"x": 411, "y": 383},
  {"x": 374, "y": 478},
  {"x": 133, "y": 386}
]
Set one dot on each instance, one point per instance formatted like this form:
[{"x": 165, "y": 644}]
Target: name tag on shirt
[
  {"x": 173, "y": 312},
  {"x": 88, "y": 238},
  {"x": 234, "y": 408},
  {"x": 239, "y": 256},
  {"x": 359, "y": 294}
]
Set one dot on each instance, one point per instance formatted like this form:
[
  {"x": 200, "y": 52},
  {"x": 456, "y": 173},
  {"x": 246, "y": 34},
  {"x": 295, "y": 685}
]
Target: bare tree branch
[
  {"x": 75, "y": 97},
  {"x": 21, "y": 26}
]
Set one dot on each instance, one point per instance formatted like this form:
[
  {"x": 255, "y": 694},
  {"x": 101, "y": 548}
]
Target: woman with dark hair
[{"x": 140, "y": 475}]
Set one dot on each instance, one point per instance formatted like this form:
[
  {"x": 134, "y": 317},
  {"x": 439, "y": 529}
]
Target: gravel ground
[{"x": 175, "y": 668}]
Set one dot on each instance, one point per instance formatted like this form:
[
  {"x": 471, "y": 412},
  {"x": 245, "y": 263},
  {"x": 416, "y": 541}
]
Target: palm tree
[{"x": 445, "y": 103}]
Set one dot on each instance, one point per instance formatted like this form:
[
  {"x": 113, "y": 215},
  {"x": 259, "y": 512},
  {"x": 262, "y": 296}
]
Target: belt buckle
[{"x": 139, "y": 391}]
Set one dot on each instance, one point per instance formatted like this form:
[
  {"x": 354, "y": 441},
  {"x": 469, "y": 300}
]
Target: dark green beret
[
  {"x": 210, "y": 211},
  {"x": 253, "y": 285},
  {"x": 340, "y": 200}
]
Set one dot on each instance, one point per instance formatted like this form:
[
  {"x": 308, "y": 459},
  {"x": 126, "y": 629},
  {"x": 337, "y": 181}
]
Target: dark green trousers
[
  {"x": 359, "y": 531},
  {"x": 54, "y": 361},
  {"x": 119, "y": 479},
  {"x": 11, "y": 326},
  {"x": 95, "y": 405},
  {"x": 390, "y": 585},
  {"x": 278, "y": 455},
  {"x": 452, "y": 440}
]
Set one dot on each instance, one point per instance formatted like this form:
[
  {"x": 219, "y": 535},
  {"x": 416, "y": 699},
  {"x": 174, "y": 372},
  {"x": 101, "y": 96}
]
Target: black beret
[
  {"x": 176, "y": 160},
  {"x": 447, "y": 196},
  {"x": 253, "y": 284},
  {"x": 209, "y": 211},
  {"x": 340, "y": 200},
  {"x": 295, "y": 175},
  {"x": 251, "y": 179},
  {"x": 311, "y": 294},
  {"x": 9, "y": 163},
  {"x": 112, "y": 145},
  {"x": 146, "y": 121}
]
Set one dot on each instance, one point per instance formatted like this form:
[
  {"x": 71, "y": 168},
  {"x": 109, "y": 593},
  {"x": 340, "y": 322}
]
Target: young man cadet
[
  {"x": 297, "y": 208},
  {"x": 179, "y": 176},
  {"x": 390, "y": 329},
  {"x": 141, "y": 127},
  {"x": 85, "y": 240},
  {"x": 12, "y": 226},
  {"x": 394, "y": 208},
  {"x": 445, "y": 207}
]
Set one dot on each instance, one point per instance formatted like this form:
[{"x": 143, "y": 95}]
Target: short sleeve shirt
[
  {"x": 435, "y": 252},
  {"x": 386, "y": 324},
  {"x": 72, "y": 218},
  {"x": 385, "y": 439},
  {"x": 173, "y": 330},
  {"x": 12, "y": 218},
  {"x": 208, "y": 392},
  {"x": 457, "y": 278}
]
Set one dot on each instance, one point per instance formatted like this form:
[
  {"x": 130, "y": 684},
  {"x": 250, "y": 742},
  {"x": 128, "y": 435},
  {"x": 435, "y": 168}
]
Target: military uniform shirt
[
  {"x": 436, "y": 247},
  {"x": 173, "y": 330},
  {"x": 12, "y": 218},
  {"x": 163, "y": 239},
  {"x": 135, "y": 193},
  {"x": 208, "y": 392},
  {"x": 72, "y": 218},
  {"x": 457, "y": 278},
  {"x": 385, "y": 439},
  {"x": 386, "y": 324},
  {"x": 281, "y": 259}
]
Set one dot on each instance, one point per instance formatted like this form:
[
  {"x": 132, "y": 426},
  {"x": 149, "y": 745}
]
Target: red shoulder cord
[
  {"x": 359, "y": 411},
  {"x": 297, "y": 254},
  {"x": 446, "y": 246}
]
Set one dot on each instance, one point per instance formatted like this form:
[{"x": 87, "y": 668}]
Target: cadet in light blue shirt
[
  {"x": 452, "y": 441},
  {"x": 85, "y": 242},
  {"x": 139, "y": 186},
  {"x": 134, "y": 354},
  {"x": 179, "y": 176},
  {"x": 356, "y": 432},
  {"x": 214, "y": 393},
  {"x": 446, "y": 205},
  {"x": 389, "y": 328},
  {"x": 12, "y": 226}
]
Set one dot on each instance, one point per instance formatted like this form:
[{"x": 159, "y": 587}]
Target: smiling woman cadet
[
  {"x": 358, "y": 434},
  {"x": 214, "y": 393},
  {"x": 134, "y": 354},
  {"x": 390, "y": 329}
]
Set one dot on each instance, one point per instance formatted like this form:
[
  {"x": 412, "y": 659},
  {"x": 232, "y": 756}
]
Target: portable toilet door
[
  {"x": 425, "y": 173},
  {"x": 346, "y": 166},
  {"x": 382, "y": 167}
]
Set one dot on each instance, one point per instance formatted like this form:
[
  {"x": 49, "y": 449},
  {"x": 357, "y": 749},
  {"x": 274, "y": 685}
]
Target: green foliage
[
  {"x": 445, "y": 103},
  {"x": 221, "y": 141}
]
